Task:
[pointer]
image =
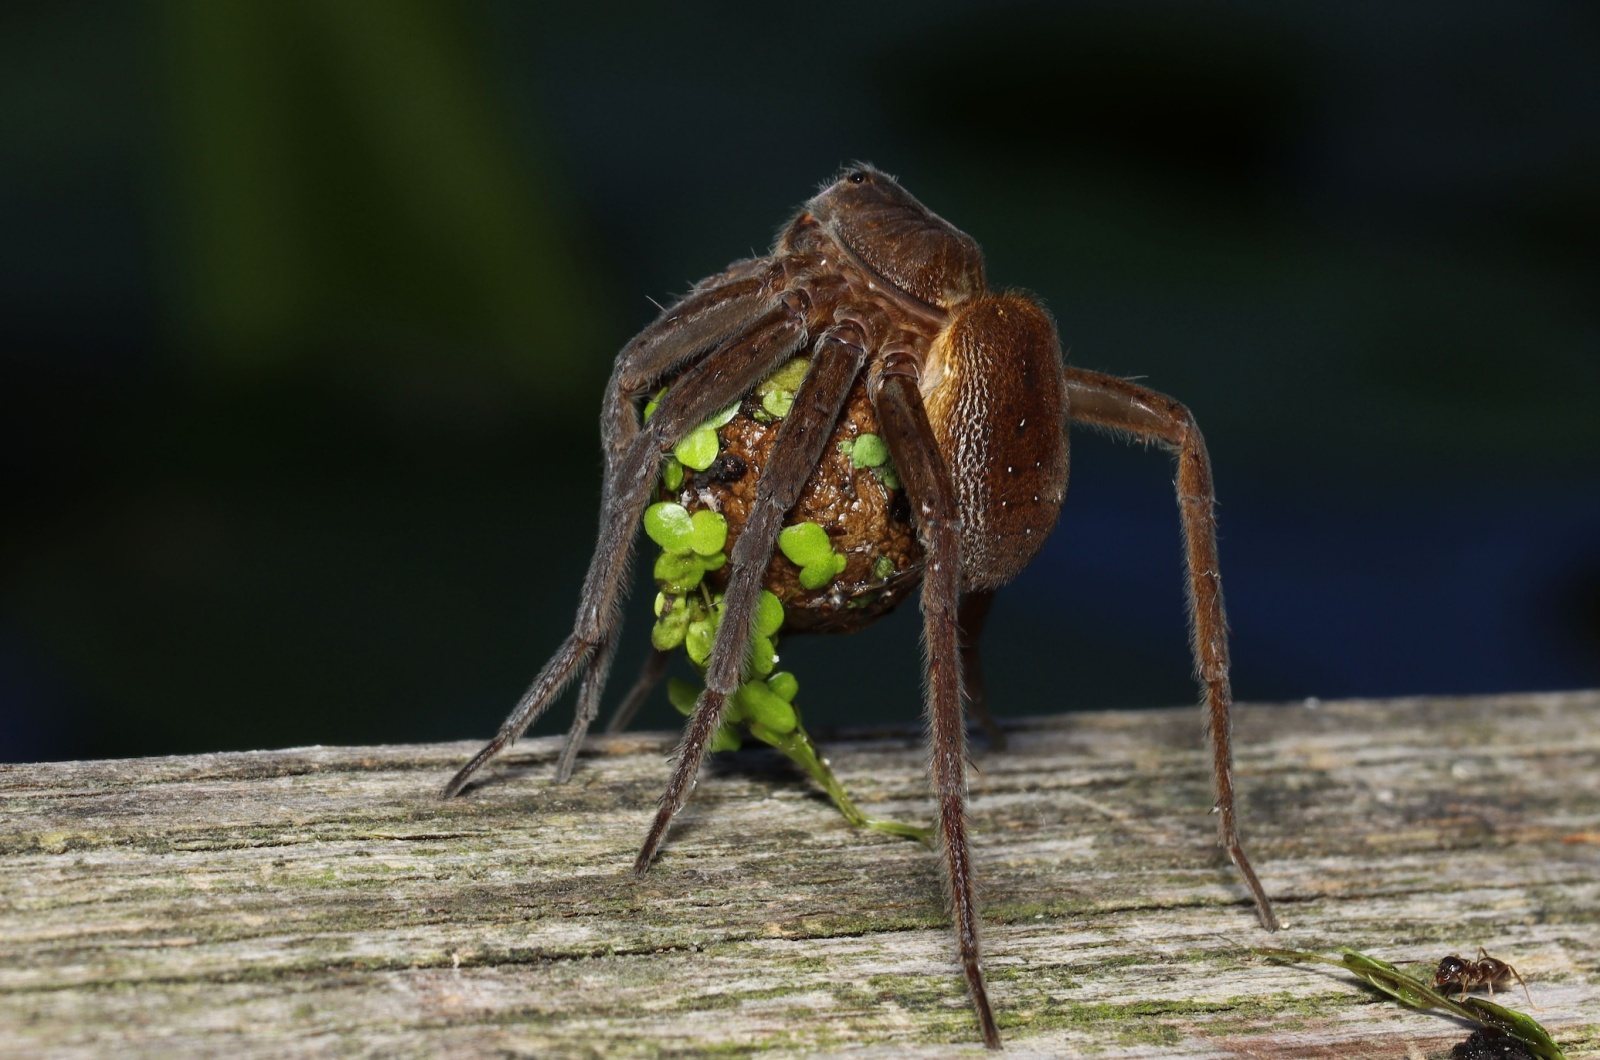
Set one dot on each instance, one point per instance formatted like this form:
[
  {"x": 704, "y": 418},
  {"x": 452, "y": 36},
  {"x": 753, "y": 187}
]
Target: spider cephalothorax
[{"x": 863, "y": 389}]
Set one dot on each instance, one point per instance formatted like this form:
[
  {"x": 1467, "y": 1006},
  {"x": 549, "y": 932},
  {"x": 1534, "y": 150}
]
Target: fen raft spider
[{"x": 852, "y": 414}]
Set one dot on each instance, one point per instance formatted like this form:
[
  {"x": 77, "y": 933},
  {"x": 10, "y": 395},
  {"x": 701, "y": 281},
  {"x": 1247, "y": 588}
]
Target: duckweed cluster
[
  {"x": 690, "y": 546},
  {"x": 689, "y": 613}
]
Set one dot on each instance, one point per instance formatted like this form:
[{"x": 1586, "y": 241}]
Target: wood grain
[{"x": 325, "y": 901}]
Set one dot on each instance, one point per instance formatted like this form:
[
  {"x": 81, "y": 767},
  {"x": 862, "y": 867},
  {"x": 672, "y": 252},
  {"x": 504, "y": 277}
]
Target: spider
[{"x": 902, "y": 338}]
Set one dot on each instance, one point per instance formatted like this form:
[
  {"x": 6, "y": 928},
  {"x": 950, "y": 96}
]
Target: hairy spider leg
[
  {"x": 650, "y": 675},
  {"x": 972, "y": 617},
  {"x": 1105, "y": 401},
  {"x": 837, "y": 360},
  {"x": 922, "y": 468},
  {"x": 723, "y": 375},
  {"x": 591, "y": 686},
  {"x": 717, "y": 308}
]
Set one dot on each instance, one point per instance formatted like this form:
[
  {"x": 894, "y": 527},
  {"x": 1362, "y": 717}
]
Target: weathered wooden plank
[{"x": 325, "y": 902}]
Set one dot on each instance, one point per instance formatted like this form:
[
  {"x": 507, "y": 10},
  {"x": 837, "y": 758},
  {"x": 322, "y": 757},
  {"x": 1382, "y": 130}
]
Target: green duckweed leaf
[
  {"x": 778, "y": 403},
  {"x": 769, "y": 613},
  {"x": 805, "y": 544},
  {"x": 669, "y": 525},
  {"x": 708, "y": 533},
  {"x": 763, "y": 655},
  {"x": 784, "y": 685},
  {"x": 670, "y": 628},
  {"x": 766, "y": 708},
  {"x": 698, "y": 450},
  {"x": 869, "y": 451},
  {"x": 816, "y": 575},
  {"x": 788, "y": 376},
  {"x": 699, "y": 639},
  {"x": 677, "y": 573},
  {"x": 653, "y": 404},
  {"x": 682, "y": 695}
]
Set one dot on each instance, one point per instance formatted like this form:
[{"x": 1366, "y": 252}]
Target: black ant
[{"x": 1470, "y": 974}]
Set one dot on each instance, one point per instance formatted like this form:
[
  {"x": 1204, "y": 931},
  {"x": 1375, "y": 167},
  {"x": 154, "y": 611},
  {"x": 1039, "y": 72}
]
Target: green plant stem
[{"x": 798, "y": 748}]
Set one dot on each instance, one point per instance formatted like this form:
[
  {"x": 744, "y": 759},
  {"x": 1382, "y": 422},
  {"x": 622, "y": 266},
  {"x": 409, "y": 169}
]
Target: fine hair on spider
[{"x": 822, "y": 429}]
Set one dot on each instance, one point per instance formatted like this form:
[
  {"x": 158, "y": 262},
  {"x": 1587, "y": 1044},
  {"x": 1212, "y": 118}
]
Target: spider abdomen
[{"x": 996, "y": 395}]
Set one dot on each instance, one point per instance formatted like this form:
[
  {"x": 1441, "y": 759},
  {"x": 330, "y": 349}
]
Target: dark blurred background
[{"x": 306, "y": 307}]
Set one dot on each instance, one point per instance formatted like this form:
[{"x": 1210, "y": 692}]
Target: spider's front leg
[
  {"x": 927, "y": 479},
  {"x": 1106, "y": 401},
  {"x": 717, "y": 308},
  {"x": 840, "y": 353},
  {"x": 984, "y": 462},
  {"x": 722, "y": 376}
]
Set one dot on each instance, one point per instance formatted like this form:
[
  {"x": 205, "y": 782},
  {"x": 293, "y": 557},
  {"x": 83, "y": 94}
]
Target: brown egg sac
[{"x": 864, "y": 519}]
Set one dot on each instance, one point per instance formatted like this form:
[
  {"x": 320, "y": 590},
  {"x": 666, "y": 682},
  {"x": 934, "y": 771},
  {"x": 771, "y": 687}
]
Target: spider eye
[{"x": 857, "y": 176}]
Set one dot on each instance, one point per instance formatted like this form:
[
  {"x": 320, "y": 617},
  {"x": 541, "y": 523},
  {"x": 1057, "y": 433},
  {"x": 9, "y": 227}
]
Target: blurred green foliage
[
  {"x": 306, "y": 309},
  {"x": 347, "y": 178}
]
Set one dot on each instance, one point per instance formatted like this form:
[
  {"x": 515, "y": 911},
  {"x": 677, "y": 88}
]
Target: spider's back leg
[
  {"x": 650, "y": 675},
  {"x": 1116, "y": 404}
]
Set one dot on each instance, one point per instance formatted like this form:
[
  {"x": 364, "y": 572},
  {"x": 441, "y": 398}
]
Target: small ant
[{"x": 1471, "y": 974}]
